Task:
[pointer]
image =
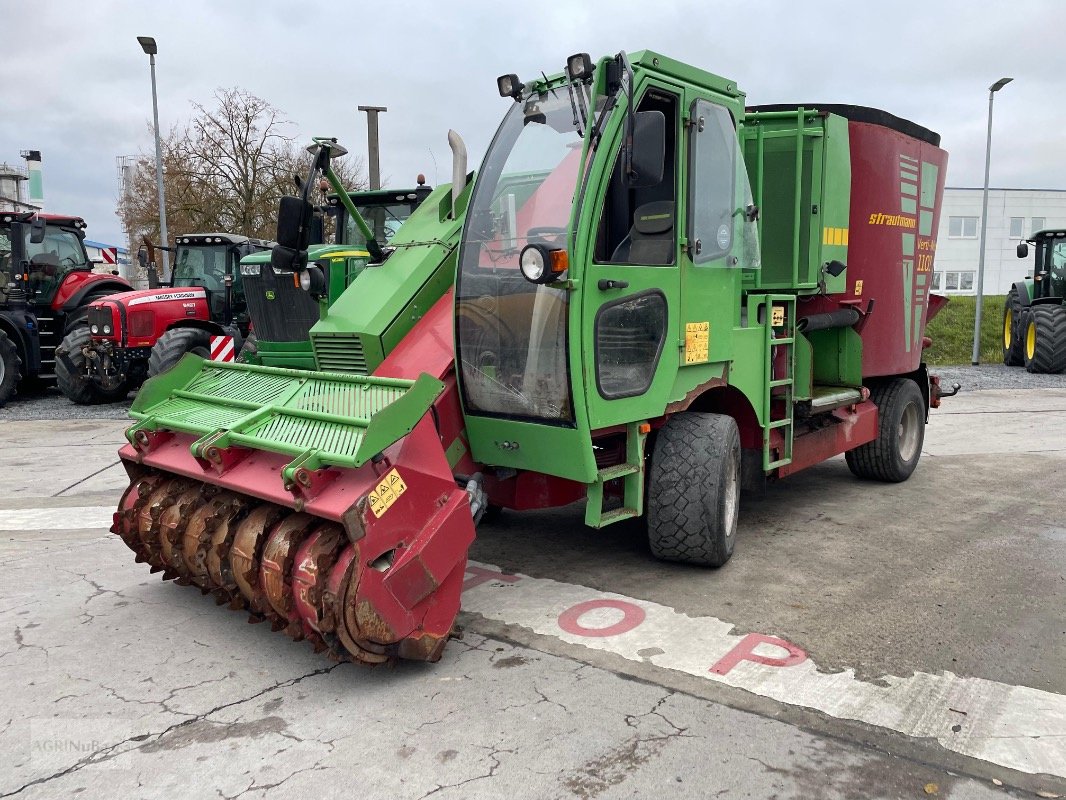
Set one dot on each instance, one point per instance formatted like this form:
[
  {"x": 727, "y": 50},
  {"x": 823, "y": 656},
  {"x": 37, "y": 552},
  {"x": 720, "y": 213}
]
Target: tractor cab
[
  {"x": 384, "y": 210},
  {"x": 211, "y": 261},
  {"x": 38, "y": 252},
  {"x": 569, "y": 299},
  {"x": 1049, "y": 270}
]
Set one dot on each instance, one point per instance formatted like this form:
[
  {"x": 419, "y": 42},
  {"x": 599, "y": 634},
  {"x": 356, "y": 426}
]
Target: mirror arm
[{"x": 372, "y": 245}]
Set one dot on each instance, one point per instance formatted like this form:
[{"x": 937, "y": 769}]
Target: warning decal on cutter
[{"x": 386, "y": 493}]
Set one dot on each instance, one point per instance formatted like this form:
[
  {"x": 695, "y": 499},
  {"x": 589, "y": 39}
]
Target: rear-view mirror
[
  {"x": 294, "y": 223},
  {"x": 1023, "y": 250},
  {"x": 37, "y": 231}
]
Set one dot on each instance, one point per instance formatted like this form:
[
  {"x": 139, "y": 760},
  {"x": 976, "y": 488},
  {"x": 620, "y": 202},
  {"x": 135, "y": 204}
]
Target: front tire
[
  {"x": 249, "y": 353},
  {"x": 175, "y": 343},
  {"x": 10, "y": 368},
  {"x": 694, "y": 489},
  {"x": 1045, "y": 339},
  {"x": 73, "y": 378},
  {"x": 894, "y": 454},
  {"x": 1013, "y": 351}
]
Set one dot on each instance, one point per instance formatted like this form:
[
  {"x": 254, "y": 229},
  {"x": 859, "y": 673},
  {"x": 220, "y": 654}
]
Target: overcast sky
[{"x": 76, "y": 85}]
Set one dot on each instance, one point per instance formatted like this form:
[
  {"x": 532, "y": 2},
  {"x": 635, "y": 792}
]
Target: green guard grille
[{"x": 322, "y": 418}]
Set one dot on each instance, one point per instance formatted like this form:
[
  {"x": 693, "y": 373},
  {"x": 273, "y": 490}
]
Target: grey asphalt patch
[{"x": 225, "y": 708}]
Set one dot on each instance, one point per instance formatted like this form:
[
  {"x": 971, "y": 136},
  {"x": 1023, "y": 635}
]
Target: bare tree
[{"x": 224, "y": 170}]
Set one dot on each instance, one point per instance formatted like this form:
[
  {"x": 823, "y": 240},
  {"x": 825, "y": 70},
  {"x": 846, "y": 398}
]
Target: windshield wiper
[{"x": 612, "y": 101}]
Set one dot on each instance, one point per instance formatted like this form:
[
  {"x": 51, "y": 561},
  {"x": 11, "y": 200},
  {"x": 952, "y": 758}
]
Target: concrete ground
[{"x": 865, "y": 641}]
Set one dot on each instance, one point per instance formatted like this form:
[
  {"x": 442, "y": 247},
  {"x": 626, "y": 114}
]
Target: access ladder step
[
  {"x": 617, "y": 515},
  {"x": 617, "y": 471}
]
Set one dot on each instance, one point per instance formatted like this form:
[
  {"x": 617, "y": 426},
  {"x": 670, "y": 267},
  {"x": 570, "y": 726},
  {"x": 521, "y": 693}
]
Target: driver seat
[{"x": 650, "y": 240}]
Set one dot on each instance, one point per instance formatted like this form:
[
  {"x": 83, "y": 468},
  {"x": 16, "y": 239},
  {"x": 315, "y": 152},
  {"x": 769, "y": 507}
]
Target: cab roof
[{"x": 221, "y": 238}]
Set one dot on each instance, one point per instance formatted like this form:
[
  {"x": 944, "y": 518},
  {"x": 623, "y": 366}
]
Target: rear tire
[
  {"x": 694, "y": 489},
  {"x": 10, "y": 368},
  {"x": 75, "y": 382},
  {"x": 173, "y": 344},
  {"x": 894, "y": 454},
  {"x": 1045, "y": 339},
  {"x": 1013, "y": 351}
]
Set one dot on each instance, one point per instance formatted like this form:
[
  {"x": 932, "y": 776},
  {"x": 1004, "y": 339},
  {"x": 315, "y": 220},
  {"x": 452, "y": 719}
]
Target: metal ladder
[
  {"x": 632, "y": 471},
  {"x": 785, "y": 305}
]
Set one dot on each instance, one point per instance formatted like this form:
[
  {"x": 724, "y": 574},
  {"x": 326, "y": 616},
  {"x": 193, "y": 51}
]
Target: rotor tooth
[
  {"x": 197, "y": 537},
  {"x": 246, "y": 551},
  {"x": 275, "y": 567}
]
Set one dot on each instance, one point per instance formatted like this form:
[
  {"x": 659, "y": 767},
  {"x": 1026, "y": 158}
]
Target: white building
[{"x": 1013, "y": 215}]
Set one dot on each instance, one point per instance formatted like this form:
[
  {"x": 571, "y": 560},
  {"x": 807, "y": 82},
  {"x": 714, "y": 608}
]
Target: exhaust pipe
[{"x": 458, "y": 146}]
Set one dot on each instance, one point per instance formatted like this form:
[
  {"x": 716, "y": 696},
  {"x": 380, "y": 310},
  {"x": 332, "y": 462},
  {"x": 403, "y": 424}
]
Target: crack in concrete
[
  {"x": 617, "y": 764},
  {"x": 493, "y": 755},
  {"x": 107, "y": 753}
]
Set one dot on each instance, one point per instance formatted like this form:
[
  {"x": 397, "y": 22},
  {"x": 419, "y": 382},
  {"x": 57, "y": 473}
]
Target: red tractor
[
  {"x": 134, "y": 335},
  {"x": 46, "y": 287}
]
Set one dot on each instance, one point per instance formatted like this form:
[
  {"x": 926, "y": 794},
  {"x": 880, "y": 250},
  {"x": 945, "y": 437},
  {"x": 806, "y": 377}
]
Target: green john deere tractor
[
  {"x": 281, "y": 309},
  {"x": 1034, "y": 317}
]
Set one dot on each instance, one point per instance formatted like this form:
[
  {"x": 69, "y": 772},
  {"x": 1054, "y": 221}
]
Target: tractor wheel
[
  {"x": 1045, "y": 339},
  {"x": 249, "y": 350},
  {"x": 173, "y": 344},
  {"x": 1013, "y": 352},
  {"x": 894, "y": 454},
  {"x": 694, "y": 489},
  {"x": 74, "y": 381},
  {"x": 10, "y": 366}
]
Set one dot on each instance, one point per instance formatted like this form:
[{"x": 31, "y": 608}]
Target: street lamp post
[
  {"x": 148, "y": 45},
  {"x": 976, "y": 357},
  {"x": 372, "y": 142}
]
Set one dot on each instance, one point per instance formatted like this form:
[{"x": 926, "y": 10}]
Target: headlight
[
  {"x": 533, "y": 263},
  {"x": 94, "y": 329},
  {"x": 313, "y": 280},
  {"x": 538, "y": 264},
  {"x": 107, "y": 329}
]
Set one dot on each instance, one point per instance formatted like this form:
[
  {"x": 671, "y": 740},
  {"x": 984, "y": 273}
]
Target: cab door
[{"x": 632, "y": 283}]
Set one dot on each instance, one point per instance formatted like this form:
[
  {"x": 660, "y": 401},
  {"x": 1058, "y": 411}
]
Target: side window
[
  {"x": 638, "y": 225},
  {"x": 629, "y": 340},
  {"x": 713, "y": 170}
]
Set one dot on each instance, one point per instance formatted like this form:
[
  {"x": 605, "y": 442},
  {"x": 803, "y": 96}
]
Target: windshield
[
  {"x": 202, "y": 266},
  {"x": 1056, "y": 265},
  {"x": 65, "y": 248},
  {"x": 511, "y": 333},
  {"x": 384, "y": 221}
]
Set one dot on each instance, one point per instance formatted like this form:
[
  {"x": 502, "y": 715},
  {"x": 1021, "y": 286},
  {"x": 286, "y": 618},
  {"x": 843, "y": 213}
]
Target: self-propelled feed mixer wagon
[{"x": 659, "y": 296}]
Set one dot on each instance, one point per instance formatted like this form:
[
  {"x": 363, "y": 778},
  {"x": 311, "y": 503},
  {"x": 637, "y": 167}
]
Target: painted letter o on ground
[{"x": 569, "y": 620}]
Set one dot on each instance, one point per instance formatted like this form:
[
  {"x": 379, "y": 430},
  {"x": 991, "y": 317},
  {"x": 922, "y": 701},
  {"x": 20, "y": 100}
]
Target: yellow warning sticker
[
  {"x": 777, "y": 317},
  {"x": 386, "y": 493},
  {"x": 858, "y": 288},
  {"x": 697, "y": 341}
]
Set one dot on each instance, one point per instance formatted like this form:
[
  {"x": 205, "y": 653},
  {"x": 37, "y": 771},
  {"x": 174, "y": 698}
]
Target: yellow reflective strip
[
  {"x": 348, "y": 254},
  {"x": 845, "y": 236}
]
